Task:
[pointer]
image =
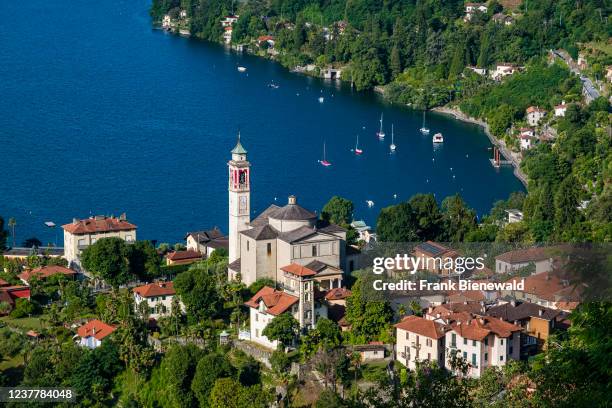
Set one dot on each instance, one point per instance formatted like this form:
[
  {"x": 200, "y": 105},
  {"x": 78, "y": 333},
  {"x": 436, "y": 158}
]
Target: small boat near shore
[
  {"x": 242, "y": 69},
  {"x": 438, "y": 138},
  {"x": 424, "y": 129},
  {"x": 392, "y": 146},
  {"x": 357, "y": 149},
  {"x": 324, "y": 162}
]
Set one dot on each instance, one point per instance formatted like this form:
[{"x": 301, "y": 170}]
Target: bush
[{"x": 23, "y": 308}]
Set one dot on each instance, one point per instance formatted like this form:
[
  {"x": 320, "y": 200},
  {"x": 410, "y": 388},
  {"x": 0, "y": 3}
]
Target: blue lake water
[{"x": 101, "y": 114}]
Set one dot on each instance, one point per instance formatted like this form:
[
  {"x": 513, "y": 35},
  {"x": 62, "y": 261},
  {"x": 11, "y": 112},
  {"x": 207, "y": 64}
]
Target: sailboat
[
  {"x": 392, "y": 146},
  {"x": 324, "y": 162},
  {"x": 381, "y": 133},
  {"x": 357, "y": 149},
  {"x": 424, "y": 130}
]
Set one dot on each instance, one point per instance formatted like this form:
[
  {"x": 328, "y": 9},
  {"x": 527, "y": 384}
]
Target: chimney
[
  {"x": 513, "y": 302},
  {"x": 540, "y": 312},
  {"x": 437, "y": 315},
  {"x": 75, "y": 221},
  {"x": 292, "y": 200},
  {"x": 93, "y": 331},
  {"x": 122, "y": 217}
]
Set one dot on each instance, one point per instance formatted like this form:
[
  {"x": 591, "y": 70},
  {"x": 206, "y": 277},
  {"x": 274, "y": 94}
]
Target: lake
[{"x": 101, "y": 114}]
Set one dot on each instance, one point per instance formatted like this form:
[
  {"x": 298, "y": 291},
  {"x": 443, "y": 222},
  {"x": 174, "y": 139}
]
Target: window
[
  {"x": 429, "y": 342},
  {"x": 465, "y": 355},
  {"x": 474, "y": 359},
  {"x": 428, "y": 356},
  {"x": 269, "y": 248},
  {"x": 486, "y": 341},
  {"x": 81, "y": 242},
  {"x": 407, "y": 336},
  {"x": 501, "y": 342},
  {"x": 314, "y": 250},
  {"x": 465, "y": 342},
  {"x": 486, "y": 357},
  {"x": 247, "y": 245},
  {"x": 453, "y": 340},
  {"x": 510, "y": 350},
  {"x": 501, "y": 358},
  {"x": 307, "y": 297},
  {"x": 474, "y": 343}
]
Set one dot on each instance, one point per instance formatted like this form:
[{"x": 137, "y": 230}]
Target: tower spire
[{"x": 239, "y": 149}]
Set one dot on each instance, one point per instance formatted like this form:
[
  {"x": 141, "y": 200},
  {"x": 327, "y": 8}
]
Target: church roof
[
  {"x": 238, "y": 149},
  {"x": 297, "y": 234},
  {"x": 261, "y": 232},
  {"x": 262, "y": 219},
  {"x": 292, "y": 212}
]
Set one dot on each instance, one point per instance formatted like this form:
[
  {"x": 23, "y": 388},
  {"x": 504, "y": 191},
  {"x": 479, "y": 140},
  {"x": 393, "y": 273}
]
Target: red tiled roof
[
  {"x": 98, "y": 224},
  {"x": 156, "y": 289},
  {"x": 477, "y": 328},
  {"x": 337, "y": 294},
  {"x": 421, "y": 326},
  {"x": 45, "y": 272},
  {"x": 532, "y": 109},
  {"x": 447, "y": 309},
  {"x": 4, "y": 283},
  {"x": 525, "y": 255},
  {"x": 544, "y": 285},
  {"x": 183, "y": 255},
  {"x": 228, "y": 28},
  {"x": 276, "y": 301},
  {"x": 298, "y": 270},
  {"x": 18, "y": 291},
  {"x": 95, "y": 328},
  {"x": 265, "y": 38}
]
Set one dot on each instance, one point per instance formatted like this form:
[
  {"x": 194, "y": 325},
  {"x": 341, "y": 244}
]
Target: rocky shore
[{"x": 514, "y": 158}]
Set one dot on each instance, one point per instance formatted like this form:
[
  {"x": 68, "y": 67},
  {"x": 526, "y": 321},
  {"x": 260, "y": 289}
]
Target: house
[
  {"x": 93, "y": 333},
  {"x": 21, "y": 253},
  {"x": 482, "y": 341},
  {"x": 436, "y": 257},
  {"x": 445, "y": 311},
  {"x": 527, "y": 142},
  {"x": 79, "y": 234},
  {"x": 268, "y": 39},
  {"x": 527, "y": 131},
  {"x": 479, "y": 71},
  {"x": 512, "y": 261},
  {"x": 331, "y": 73},
  {"x": 229, "y": 20},
  {"x": 159, "y": 297},
  {"x": 560, "y": 109},
  {"x": 167, "y": 23},
  {"x": 227, "y": 34},
  {"x": 337, "y": 296},
  {"x": 535, "y": 115},
  {"x": 373, "y": 351},
  {"x": 183, "y": 257},
  {"x": 538, "y": 322},
  {"x": 501, "y": 18},
  {"x": 327, "y": 276},
  {"x": 503, "y": 70},
  {"x": 206, "y": 242},
  {"x": 582, "y": 62},
  {"x": 45, "y": 271},
  {"x": 473, "y": 8},
  {"x": 419, "y": 339},
  {"x": 264, "y": 306},
  {"x": 514, "y": 215},
  {"x": 183, "y": 14},
  {"x": 10, "y": 294},
  {"x": 545, "y": 289}
]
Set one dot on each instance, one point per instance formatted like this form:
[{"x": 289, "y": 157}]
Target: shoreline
[{"x": 460, "y": 116}]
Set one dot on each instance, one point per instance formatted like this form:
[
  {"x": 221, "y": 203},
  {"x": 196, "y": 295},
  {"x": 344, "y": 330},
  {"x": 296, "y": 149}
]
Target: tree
[
  {"x": 566, "y": 204},
  {"x": 197, "y": 288},
  {"x": 32, "y": 242},
  {"x": 458, "y": 218},
  {"x": 177, "y": 372},
  {"x": 397, "y": 223},
  {"x": 143, "y": 259},
  {"x": 427, "y": 216},
  {"x": 282, "y": 328},
  {"x": 3, "y": 234},
  {"x": 367, "y": 316},
  {"x": 107, "y": 260},
  {"x": 23, "y": 308},
  {"x": 94, "y": 374},
  {"x": 338, "y": 210},
  {"x": 210, "y": 368},
  {"x": 229, "y": 393},
  {"x": 395, "y": 62},
  {"x": 12, "y": 223},
  {"x": 260, "y": 283}
]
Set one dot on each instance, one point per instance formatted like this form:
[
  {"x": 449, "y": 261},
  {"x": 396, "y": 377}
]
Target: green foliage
[
  {"x": 338, "y": 211},
  {"x": 208, "y": 370},
  {"x": 260, "y": 283},
  {"x": 282, "y": 328},
  {"x": 24, "y": 308},
  {"x": 93, "y": 376},
  {"x": 107, "y": 259},
  {"x": 144, "y": 261},
  {"x": 197, "y": 288},
  {"x": 368, "y": 318},
  {"x": 229, "y": 393}
]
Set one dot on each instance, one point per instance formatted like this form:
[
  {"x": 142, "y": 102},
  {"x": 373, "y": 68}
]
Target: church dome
[{"x": 291, "y": 216}]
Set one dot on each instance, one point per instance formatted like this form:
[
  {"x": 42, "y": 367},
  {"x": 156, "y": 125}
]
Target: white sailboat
[
  {"x": 381, "y": 133},
  {"x": 324, "y": 162},
  {"x": 357, "y": 149},
  {"x": 392, "y": 146},
  {"x": 424, "y": 129},
  {"x": 438, "y": 138}
]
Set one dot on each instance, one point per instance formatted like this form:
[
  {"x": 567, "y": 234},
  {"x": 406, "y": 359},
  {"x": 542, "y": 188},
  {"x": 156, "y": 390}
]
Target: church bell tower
[{"x": 239, "y": 186}]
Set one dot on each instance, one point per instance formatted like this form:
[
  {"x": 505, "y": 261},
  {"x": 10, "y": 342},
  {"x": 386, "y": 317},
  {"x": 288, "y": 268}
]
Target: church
[
  {"x": 279, "y": 236},
  {"x": 302, "y": 254}
]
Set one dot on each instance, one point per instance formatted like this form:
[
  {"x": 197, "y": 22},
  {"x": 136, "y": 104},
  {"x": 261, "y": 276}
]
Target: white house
[
  {"x": 80, "y": 234},
  {"x": 93, "y": 332},
  {"x": 534, "y": 115},
  {"x": 527, "y": 142},
  {"x": 229, "y": 20},
  {"x": 473, "y": 8},
  {"x": 483, "y": 342},
  {"x": 419, "y": 339},
  {"x": 227, "y": 34},
  {"x": 504, "y": 70},
  {"x": 158, "y": 295},
  {"x": 514, "y": 215},
  {"x": 512, "y": 261},
  {"x": 264, "y": 306},
  {"x": 477, "y": 70},
  {"x": 206, "y": 242},
  {"x": 364, "y": 230},
  {"x": 560, "y": 109}
]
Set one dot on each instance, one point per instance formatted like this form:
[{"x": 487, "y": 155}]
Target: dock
[{"x": 498, "y": 163}]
